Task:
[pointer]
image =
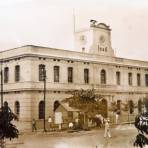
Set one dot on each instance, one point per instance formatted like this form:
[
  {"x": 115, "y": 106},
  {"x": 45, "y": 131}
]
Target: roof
[
  {"x": 68, "y": 108},
  {"x": 33, "y": 50}
]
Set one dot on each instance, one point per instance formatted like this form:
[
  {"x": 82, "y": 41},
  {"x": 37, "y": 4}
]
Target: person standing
[
  {"x": 34, "y": 125},
  {"x": 50, "y": 122},
  {"x": 107, "y": 129},
  {"x": 117, "y": 117}
]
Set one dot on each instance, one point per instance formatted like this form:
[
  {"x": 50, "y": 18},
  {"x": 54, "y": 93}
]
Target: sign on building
[{"x": 58, "y": 118}]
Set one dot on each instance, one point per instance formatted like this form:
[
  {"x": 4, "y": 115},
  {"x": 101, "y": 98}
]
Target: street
[{"x": 122, "y": 137}]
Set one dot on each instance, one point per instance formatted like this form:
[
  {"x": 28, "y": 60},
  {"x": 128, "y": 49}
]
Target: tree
[
  {"x": 85, "y": 100},
  {"x": 7, "y": 129},
  {"x": 141, "y": 123}
]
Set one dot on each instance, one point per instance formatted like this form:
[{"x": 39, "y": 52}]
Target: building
[
  {"x": 69, "y": 114},
  {"x": 94, "y": 67}
]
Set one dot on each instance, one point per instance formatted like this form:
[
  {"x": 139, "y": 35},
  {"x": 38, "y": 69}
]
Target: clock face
[{"x": 102, "y": 39}]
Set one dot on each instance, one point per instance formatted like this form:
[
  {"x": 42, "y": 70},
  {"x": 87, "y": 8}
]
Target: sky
[{"x": 50, "y": 23}]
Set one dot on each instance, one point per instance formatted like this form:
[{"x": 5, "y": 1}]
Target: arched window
[
  {"x": 131, "y": 106},
  {"x": 56, "y": 105},
  {"x": 118, "y": 78},
  {"x": 41, "y": 110},
  {"x": 41, "y": 72},
  {"x": 103, "y": 76},
  {"x": 17, "y": 108}
]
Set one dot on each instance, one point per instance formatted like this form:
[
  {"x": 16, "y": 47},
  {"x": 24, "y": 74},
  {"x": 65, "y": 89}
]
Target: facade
[{"x": 94, "y": 67}]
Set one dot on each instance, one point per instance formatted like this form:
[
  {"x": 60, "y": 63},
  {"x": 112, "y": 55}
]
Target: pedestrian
[
  {"x": 76, "y": 123},
  {"x": 117, "y": 116},
  {"x": 34, "y": 125},
  {"x": 70, "y": 125},
  {"x": 50, "y": 122},
  {"x": 107, "y": 129}
]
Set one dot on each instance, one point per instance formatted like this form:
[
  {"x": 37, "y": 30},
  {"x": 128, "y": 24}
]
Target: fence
[{"x": 123, "y": 118}]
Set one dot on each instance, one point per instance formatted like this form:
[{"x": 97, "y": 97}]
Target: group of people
[{"x": 106, "y": 122}]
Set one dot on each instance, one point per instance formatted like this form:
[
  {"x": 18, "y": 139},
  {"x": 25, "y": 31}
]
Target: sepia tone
[{"x": 42, "y": 84}]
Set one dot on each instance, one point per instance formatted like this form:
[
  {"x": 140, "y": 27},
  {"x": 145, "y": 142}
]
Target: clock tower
[{"x": 95, "y": 40}]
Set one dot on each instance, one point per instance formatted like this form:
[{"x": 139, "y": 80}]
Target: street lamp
[{"x": 44, "y": 79}]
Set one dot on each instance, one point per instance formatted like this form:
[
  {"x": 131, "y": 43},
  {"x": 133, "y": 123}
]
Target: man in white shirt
[
  {"x": 107, "y": 129},
  {"x": 50, "y": 122}
]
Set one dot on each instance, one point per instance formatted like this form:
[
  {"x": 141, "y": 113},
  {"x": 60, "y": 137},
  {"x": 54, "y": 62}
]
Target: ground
[{"x": 122, "y": 137}]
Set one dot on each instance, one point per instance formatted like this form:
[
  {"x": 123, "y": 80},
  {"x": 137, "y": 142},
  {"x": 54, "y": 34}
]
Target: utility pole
[
  {"x": 44, "y": 79},
  {"x": 1, "y": 85},
  {"x": 2, "y": 142}
]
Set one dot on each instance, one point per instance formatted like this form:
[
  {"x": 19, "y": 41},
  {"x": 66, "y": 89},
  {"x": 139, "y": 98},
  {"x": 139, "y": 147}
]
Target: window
[
  {"x": 86, "y": 76},
  {"x": 138, "y": 79},
  {"x": 41, "y": 72},
  {"x": 146, "y": 79},
  {"x": 56, "y": 73},
  {"x": 103, "y": 76},
  {"x": 17, "y": 108},
  {"x": 6, "y": 74},
  {"x": 41, "y": 110},
  {"x": 118, "y": 78},
  {"x": 70, "y": 74},
  {"x": 130, "y": 79},
  {"x": 17, "y": 73}
]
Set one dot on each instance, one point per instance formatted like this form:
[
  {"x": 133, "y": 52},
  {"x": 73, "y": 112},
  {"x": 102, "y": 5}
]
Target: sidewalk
[
  {"x": 81, "y": 139},
  {"x": 62, "y": 132}
]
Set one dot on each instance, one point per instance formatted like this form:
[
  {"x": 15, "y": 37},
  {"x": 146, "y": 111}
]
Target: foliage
[
  {"x": 146, "y": 103},
  {"x": 86, "y": 101},
  {"x": 113, "y": 106},
  {"x": 141, "y": 123},
  {"x": 126, "y": 107},
  {"x": 7, "y": 129}
]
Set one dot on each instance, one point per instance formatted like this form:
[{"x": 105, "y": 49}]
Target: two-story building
[{"x": 95, "y": 66}]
